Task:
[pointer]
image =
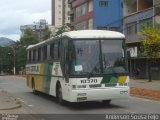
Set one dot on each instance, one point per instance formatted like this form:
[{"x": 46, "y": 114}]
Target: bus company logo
[{"x": 33, "y": 69}]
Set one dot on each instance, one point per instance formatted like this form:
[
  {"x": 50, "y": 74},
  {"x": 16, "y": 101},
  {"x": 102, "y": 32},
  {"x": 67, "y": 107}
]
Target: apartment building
[
  {"x": 96, "y": 14},
  {"x": 138, "y": 13},
  {"x": 37, "y": 27},
  {"x": 60, "y": 9}
]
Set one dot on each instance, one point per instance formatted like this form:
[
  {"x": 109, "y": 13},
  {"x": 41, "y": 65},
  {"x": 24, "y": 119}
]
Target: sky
[{"x": 14, "y": 13}]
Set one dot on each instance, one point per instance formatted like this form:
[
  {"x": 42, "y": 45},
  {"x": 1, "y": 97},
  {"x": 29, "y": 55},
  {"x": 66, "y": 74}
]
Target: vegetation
[
  {"x": 46, "y": 33},
  {"x": 17, "y": 52},
  {"x": 150, "y": 45},
  {"x": 6, "y": 60},
  {"x": 151, "y": 42},
  {"x": 64, "y": 28},
  {"x": 29, "y": 37}
]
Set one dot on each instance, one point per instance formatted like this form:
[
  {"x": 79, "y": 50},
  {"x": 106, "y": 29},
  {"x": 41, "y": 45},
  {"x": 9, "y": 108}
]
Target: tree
[
  {"x": 150, "y": 44},
  {"x": 29, "y": 37},
  {"x": 20, "y": 57},
  {"x": 46, "y": 33},
  {"x": 64, "y": 28},
  {"x": 6, "y": 60}
]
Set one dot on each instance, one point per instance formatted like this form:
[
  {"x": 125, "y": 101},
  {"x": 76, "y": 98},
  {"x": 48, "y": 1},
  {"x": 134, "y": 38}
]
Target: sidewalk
[
  {"x": 143, "y": 88},
  {"x": 10, "y": 105}
]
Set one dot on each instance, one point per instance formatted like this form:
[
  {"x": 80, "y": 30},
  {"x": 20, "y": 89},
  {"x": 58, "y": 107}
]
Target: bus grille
[
  {"x": 95, "y": 85},
  {"x": 111, "y": 85}
]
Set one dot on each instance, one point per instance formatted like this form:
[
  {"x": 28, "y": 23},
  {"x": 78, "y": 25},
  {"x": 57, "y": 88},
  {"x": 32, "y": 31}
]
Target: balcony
[{"x": 132, "y": 24}]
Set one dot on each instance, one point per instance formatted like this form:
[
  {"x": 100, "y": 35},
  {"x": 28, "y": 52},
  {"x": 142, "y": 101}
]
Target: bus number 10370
[{"x": 89, "y": 81}]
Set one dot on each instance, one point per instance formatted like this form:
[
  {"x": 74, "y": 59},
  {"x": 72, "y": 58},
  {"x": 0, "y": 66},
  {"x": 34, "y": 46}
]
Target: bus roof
[
  {"x": 85, "y": 34},
  {"x": 93, "y": 34}
]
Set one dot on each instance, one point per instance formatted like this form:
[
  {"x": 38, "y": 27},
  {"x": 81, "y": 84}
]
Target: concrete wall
[{"x": 130, "y": 6}]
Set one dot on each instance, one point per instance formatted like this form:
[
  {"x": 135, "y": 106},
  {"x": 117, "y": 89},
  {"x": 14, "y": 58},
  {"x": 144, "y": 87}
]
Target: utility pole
[{"x": 14, "y": 60}]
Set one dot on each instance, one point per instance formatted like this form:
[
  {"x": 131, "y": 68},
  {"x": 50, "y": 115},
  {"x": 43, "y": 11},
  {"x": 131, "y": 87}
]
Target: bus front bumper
[{"x": 81, "y": 95}]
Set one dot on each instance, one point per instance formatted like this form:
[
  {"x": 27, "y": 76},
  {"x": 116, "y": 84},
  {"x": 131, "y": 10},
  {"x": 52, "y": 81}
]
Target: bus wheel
[
  {"x": 106, "y": 102},
  {"x": 59, "y": 94},
  {"x": 33, "y": 87}
]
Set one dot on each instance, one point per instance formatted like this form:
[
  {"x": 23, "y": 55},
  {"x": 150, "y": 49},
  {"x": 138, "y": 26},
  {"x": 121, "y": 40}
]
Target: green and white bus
[{"x": 77, "y": 66}]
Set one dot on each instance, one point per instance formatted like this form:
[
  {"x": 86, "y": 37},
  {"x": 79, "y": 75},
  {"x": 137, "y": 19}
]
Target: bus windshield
[{"x": 96, "y": 57}]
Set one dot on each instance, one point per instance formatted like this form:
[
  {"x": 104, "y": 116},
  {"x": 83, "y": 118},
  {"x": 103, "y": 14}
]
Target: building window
[
  {"x": 114, "y": 28},
  {"x": 90, "y": 24},
  {"x": 90, "y": 7},
  {"x": 146, "y": 23},
  {"x": 81, "y": 26},
  {"x": 103, "y": 3},
  {"x": 81, "y": 10},
  {"x": 131, "y": 28},
  {"x": 157, "y": 10}
]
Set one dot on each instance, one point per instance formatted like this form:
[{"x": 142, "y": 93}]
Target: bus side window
[
  {"x": 39, "y": 54},
  {"x": 27, "y": 56},
  {"x": 64, "y": 58},
  {"x": 44, "y": 52},
  {"x": 34, "y": 55},
  {"x": 52, "y": 50},
  {"x": 30, "y": 56},
  {"x": 56, "y": 50}
]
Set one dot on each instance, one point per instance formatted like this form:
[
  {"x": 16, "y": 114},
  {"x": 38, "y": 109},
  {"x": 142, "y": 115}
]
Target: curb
[
  {"x": 145, "y": 93},
  {"x": 145, "y": 97},
  {"x": 17, "y": 105},
  {"x": 15, "y": 102},
  {"x": 12, "y": 107}
]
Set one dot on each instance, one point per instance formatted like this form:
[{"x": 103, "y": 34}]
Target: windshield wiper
[{"x": 91, "y": 72}]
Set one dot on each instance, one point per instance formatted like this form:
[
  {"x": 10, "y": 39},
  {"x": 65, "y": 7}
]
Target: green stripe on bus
[
  {"x": 114, "y": 80},
  {"x": 109, "y": 79},
  {"x": 47, "y": 77}
]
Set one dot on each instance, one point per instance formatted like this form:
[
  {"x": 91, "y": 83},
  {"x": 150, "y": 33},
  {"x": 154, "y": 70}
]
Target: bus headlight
[{"x": 78, "y": 86}]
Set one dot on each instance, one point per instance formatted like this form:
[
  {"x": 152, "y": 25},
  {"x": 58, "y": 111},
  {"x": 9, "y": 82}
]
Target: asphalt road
[{"x": 45, "y": 104}]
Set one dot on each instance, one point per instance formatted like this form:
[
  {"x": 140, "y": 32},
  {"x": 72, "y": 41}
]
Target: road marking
[
  {"x": 30, "y": 105},
  {"x": 21, "y": 100}
]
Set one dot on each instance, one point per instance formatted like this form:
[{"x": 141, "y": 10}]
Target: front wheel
[{"x": 59, "y": 95}]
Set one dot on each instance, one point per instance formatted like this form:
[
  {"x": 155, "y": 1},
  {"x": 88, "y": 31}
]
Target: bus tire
[
  {"x": 106, "y": 102},
  {"x": 33, "y": 87},
  {"x": 59, "y": 94}
]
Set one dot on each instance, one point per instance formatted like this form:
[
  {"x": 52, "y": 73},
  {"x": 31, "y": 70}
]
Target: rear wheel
[{"x": 33, "y": 87}]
